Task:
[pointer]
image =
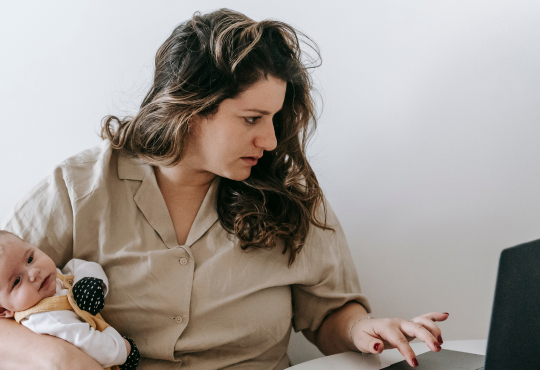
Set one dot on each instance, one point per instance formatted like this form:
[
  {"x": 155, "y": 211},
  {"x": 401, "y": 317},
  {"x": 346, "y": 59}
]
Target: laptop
[{"x": 514, "y": 333}]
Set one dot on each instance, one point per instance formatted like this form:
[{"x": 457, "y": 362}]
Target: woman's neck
[
  {"x": 183, "y": 178},
  {"x": 183, "y": 192}
]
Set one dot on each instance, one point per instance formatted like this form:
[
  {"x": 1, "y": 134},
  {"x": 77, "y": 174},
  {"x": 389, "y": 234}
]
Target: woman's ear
[
  {"x": 194, "y": 122},
  {"x": 6, "y": 314}
]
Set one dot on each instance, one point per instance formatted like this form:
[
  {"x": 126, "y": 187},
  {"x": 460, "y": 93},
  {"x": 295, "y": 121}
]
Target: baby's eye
[
  {"x": 251, "y": 119},
  {"x": 17, "y": 281},
  {"x": 30, "y": 259}
]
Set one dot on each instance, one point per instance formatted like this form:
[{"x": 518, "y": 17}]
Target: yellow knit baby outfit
[{"x": 65, "y": 302}]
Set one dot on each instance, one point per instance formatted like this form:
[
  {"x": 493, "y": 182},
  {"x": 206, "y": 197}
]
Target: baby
[{"x": 28, "y": 276}]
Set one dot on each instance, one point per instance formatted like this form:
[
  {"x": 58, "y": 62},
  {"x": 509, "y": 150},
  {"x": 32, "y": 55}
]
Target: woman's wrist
[{"x": 333, "y": 335}]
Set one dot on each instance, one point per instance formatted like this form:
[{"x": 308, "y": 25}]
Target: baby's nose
[{"x": 34, "y": 273}]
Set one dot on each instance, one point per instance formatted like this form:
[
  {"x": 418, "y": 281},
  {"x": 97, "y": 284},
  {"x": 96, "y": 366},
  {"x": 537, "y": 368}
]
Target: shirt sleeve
[
  {"x": 81, "y": 269},
  {"x": 44, "y": 217},
  {"x": 106, "y": 347},
  {"x": 328, "y": 275}
]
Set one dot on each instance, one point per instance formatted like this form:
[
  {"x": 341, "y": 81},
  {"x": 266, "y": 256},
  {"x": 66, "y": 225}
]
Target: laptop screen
[{"x": 514, "y": 334}]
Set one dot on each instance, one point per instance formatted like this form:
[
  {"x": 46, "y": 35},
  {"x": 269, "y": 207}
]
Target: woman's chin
[{"x": 238, "y": 175}]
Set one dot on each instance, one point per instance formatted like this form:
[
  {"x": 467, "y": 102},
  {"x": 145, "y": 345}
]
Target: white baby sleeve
[
  {"x": 106, "y": 347},
  {"x": 81, "y": 269}
]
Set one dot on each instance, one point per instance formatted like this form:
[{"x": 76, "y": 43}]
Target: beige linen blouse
[{"x": 203, "y": 305}]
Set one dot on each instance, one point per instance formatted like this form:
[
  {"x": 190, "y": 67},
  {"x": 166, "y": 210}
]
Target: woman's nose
[{"x": 266, "y": 138}]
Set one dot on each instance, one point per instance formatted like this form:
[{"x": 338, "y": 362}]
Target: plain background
[{"x": 427, "y": 146}]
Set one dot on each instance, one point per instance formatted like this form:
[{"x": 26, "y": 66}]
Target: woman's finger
[
  {"x": 367, "y": 343},
  {"x": 375, "y": 345},
  {"x": 396, "y": 338},
  {"x": 435, "y": 316},
  {"x": 413, "y": 329},
  {"x": 430, "y": 326}
]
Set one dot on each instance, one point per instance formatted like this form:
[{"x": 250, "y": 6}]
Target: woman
[{"x": 207, "y": 218}]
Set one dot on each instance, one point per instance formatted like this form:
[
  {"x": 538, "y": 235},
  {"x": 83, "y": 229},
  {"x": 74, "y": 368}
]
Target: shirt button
[
  {"x": 183, "y": 261},
  {"x": 178, "y": 319}
]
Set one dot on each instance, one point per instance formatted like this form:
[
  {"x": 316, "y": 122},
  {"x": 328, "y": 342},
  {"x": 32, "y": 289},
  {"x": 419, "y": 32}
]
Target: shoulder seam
[{"x": 68, "y": 177}]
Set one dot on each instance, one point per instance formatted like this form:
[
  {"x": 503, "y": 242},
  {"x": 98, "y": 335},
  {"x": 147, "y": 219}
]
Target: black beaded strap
[{"x": 133, "y": 359}]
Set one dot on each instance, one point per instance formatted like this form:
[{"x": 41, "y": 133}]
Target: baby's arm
[
  {"x": 90, "y": 284},
  {"x": 82, "y": 269},
  {"x": 106, "y": 347}
]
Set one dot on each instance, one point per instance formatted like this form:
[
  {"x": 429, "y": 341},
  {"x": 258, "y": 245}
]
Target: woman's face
[{"x": 229, "y": 142}]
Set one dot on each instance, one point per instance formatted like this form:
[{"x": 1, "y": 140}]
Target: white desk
[{"x": 357, "y": 361}]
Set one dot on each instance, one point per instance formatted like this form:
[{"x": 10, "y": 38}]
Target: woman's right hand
[{"x": 21, "y": 348}]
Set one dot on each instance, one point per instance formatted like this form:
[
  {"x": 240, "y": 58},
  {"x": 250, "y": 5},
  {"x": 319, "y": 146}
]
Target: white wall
[{"x": 428, "y": 142}]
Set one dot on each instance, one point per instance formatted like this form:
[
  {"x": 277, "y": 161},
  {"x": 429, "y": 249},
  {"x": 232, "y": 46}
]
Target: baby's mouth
[{"x": 44, "y": 282}]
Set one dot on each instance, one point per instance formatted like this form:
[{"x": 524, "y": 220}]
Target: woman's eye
[
  {"x": 17, "y": 281},
  {"x": 30, "y": 259},
  {"x": 251, "y": 119}
]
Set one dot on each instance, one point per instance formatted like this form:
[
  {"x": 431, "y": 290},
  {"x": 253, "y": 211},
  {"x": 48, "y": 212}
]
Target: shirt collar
[
  {"x": 131, "y": 167},
  {"x": 151, "y": 203}
]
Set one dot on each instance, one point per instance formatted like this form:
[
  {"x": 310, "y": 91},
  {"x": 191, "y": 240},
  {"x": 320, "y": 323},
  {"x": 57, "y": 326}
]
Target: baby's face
[{"x": 27, "y": 275}]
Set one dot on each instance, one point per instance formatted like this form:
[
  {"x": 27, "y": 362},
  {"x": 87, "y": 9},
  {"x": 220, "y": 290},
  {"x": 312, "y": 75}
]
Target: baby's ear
[{"x": 6, "y": 314}]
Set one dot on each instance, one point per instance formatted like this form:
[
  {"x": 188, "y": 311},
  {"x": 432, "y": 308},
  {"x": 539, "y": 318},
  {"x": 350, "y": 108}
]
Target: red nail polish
[
  {"x": 437, "y": 345},
  {"x": 440, "y": 339},
  {"x": 415, "y": 362},
  {"x": 446, "y": 313},
  {"x": 376, "y": 346}
]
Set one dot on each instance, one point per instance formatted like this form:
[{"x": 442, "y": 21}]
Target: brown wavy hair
[{"x": 213, "y": 57}]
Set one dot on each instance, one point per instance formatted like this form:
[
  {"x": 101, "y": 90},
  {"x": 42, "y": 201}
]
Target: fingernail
[
  {"x": 414, "y": 362},
  {"x": 446, "y": 313},
  {"x": 437, "y": 345},
  {"x": 440, "y": 339},
  {"x": 376, "y": 346}
]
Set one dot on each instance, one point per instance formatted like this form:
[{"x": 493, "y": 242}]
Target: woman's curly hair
[{"x": 213, "y": 57}]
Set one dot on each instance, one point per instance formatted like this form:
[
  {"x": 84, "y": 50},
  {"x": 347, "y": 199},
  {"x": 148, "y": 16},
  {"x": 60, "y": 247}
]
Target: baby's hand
[
  {"x": 133, "y": 356},
  {"x": 89, "y": 295}
]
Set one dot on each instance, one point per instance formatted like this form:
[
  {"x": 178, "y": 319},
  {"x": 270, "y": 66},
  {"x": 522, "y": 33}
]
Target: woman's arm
[
  {"x": 329, "y": 337},
  {"x": 107, "y": 347},
  {"x": 21, "y": 348},
  {"x": 374, "y": 335}
]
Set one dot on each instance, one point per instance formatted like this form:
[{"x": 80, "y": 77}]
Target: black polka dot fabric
[
  {"x": 133, "y": 359},
  {"x": 89, "y": 295}
]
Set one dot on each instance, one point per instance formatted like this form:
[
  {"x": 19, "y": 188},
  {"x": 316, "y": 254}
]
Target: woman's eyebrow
[
  {"x": 261, "y": 111},
  {"x": 256, "y": 110}
]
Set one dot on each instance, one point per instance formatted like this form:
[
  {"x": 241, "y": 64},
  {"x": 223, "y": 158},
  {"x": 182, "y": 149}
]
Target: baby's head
[{"x": 27, "y": 275}]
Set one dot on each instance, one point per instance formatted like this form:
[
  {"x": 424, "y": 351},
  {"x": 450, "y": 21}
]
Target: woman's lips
[{"x": 252, "y": 161}]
